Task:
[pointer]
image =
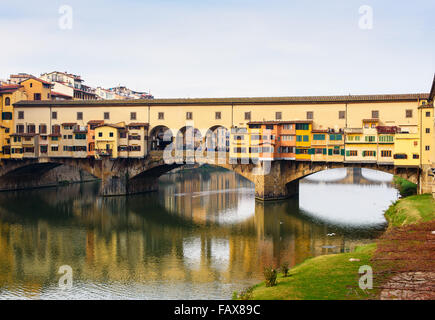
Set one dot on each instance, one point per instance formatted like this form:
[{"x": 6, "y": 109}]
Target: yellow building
[
  {"x": 386, "y": 141},
  {"x": 407, "y": 150},
  {"x": 426, "y": 123},
  {"x": 239, "y": 145},
  {"x": 319, "y": 145},
  {"x": 16, "y": 146},
  {"x": 107, "y": 140},
  {"x": 303, "y": 139},
  {"x": 37, "y": 89},
  {"x": 9, "y": 94}
]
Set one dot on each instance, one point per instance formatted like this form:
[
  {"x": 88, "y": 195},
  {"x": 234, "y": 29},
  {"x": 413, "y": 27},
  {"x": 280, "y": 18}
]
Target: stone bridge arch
[
  {"x": 33, "y": 173},
  {"x": 273, "y": 180}
]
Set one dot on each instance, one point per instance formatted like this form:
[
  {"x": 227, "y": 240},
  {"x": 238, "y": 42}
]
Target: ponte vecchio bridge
[{"x": 120, "y": 141}]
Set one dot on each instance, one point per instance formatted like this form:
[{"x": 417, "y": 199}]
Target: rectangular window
[
  {"x": 310, "y": 115},
  {"x": 106, "y": 115},
  {"x": 44, "y": 149},
  {"x": 386, "y": 153},
  {"x": 415, "y": 156},
  {"x": 408, "y": 113},
  {"x": 42, "y": 129},
  {"x": 217, "y": 115},
  {"x": 247, "y": 115},
  {"x": 100, "y": 134},
  {"x": 306, "y": 138},
  {"x": 30, "y": 128},
  {"x": 79, "y": 115},
  {"x": 54, "y": 115},
  {"x": 341, "y": 114},
  {"x": 287, "y": 138},
  {"x": 132, "y": 115},
  {"x": 20, "y": 114},
  {"x": 302, "y": 126},
  {"x": 161, "y": 115},
  {"x": 375, "y": 114},
  {"x": 369, "y": 153},
  {"x": 427, "y": 113},
  {"x": 36, "y": 96},
  {"x": 427, "y": 148},
  {"x": 288, "y": 127},
  {"x": 400, "y": 156},
  {"x": 278, "y": 115},
  {"x": 20, "y": 128},
  {"x": 370, "y": 138},
  {"x": 189, "y": 115},
  {"x": 427, "y": 130},
  {"x": 318, "y": 137},
  {"x": 7, "y": 116},
  {"x": 110, "y": 134}
]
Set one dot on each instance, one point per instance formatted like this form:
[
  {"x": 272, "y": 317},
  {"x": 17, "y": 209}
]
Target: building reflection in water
[{"x": 203, "y": 230}]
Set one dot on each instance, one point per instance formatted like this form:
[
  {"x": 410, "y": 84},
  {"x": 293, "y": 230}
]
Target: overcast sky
[{"x": 222, "y": 48}]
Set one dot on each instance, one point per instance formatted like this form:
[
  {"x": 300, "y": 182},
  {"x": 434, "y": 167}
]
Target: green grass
[
  {"x": 410, "y": 210},
  {"x": 331, "y": 277},
  {"x": 406, "y": 188}
]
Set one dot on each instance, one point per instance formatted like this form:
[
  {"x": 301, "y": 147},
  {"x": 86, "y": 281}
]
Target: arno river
[{"x": 202, "y": 236}]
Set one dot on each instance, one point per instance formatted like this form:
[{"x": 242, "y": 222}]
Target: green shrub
[
  {"x": 270, "y": 275},
  {"x": 406, "y": 188},
  {"x": 285, "y": 269}
]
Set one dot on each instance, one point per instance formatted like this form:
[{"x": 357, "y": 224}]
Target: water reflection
[{"x": 202, "y": 236}]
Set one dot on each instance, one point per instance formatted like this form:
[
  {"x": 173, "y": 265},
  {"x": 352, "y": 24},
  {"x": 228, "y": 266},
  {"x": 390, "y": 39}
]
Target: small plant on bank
[
  {"x": 270, "y": 275},
  {"x": 245, "y": 294},
  {"x": 285, "y": 269}
]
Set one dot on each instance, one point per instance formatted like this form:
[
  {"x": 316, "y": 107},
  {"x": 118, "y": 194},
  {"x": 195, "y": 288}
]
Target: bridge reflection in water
[{"x": 202, "y": 236}]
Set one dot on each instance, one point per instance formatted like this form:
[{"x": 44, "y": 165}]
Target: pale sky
[{"x": 222, "y": 48}]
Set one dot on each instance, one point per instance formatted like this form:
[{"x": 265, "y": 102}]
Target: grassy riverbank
[
  {"x": 335, "y": 276},
  {"x": 406, "y": 188}
]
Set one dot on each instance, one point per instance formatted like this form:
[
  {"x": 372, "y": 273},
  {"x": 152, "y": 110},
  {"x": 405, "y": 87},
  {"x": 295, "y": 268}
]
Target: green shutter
[
  {"x": 347, "y": 153},
  {"x": 330, "y": 152},
  {"x": 342, "y": 152},
  {"x": 374, "y": 153},
  {"x": 324, "y": 150}
]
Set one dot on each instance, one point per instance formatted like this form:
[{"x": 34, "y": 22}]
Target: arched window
[{"x": 8, "y": 101}]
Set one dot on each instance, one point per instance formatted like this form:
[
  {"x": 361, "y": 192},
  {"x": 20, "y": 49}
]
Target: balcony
[
  {"x": 104, "y": 152},
  {"x": 353, "y": 130}
]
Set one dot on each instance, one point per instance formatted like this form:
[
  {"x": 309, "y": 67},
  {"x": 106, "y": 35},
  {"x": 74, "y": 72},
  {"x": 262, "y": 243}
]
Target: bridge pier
[{"x": 271, "y": 181}]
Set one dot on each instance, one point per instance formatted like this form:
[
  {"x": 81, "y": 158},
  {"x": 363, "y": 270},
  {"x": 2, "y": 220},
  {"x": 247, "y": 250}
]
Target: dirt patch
[{"x": 404, "y": 263}]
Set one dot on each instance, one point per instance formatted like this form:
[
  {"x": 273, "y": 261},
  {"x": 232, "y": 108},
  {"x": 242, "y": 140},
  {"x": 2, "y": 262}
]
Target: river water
[{"x": 202, "y": 236}]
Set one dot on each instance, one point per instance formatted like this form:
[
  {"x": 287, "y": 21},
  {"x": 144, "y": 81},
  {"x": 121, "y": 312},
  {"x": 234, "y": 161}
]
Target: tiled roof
[
  {"x": 37, "y": 79},
  {"x": 69, "y": 123},
  {"x": 9, "y": 88},
  {"x": 370, "y": 120},
  {"x": 95, "y": 121},
  {"x": 110, "y": 125},
  {"x": 230, "y": 101}
]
